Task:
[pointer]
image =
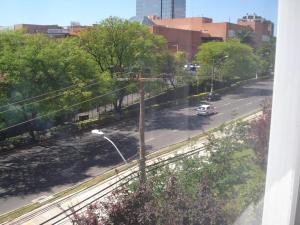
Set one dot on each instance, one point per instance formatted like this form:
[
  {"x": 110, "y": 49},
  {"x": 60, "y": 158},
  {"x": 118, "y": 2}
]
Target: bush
[
  {"x": 259, "y": 133},
  {"x": 86, "y": 123},
  {"x": 172, "y": 207}
]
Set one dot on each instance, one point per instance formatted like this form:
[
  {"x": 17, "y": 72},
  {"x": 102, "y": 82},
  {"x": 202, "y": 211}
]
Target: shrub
[
  {"x": 259, "y": 133},
  {"x": 173, "y": 207}
]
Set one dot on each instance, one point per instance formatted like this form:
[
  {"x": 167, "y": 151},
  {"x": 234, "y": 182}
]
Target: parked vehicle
[
  {"x": 206, "y": 110},
  {"x": 212, "y": 96},
  {"x": 191, "y": 67},
  {"x": 203, "y": 103}
]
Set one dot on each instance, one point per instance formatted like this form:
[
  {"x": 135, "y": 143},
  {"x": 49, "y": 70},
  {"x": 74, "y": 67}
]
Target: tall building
[{"x": 164, "y": 9}]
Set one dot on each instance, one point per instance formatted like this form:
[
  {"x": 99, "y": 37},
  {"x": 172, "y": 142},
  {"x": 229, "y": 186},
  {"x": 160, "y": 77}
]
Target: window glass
[{"x": 136, "y": 111}]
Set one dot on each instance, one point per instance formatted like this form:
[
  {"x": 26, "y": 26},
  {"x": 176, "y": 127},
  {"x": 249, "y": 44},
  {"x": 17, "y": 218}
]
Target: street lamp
[
  {"x": 213, "y": 71},
  {"x": 100, "y": 133}
]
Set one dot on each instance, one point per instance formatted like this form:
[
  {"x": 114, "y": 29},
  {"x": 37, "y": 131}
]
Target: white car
[{"x": 206, "y": 110}]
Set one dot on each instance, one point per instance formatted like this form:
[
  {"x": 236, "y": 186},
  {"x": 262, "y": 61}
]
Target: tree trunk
[
  {"x": 120, "y": 103},
  {"x": 172, "y": 81},
  {"x": 30, "y": 124}
]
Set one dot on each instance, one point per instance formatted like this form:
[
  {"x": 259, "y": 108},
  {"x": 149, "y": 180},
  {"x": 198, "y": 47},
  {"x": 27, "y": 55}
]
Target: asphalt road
[{"x": 29, "y": 173}]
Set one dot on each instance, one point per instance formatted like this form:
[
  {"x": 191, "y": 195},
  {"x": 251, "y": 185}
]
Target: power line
[
  {"x": 44, "y": 99},
  {"x": 48, "y": 93},
  {"x": 44, "y": 94},
  {"x": 56, "y": 111}
]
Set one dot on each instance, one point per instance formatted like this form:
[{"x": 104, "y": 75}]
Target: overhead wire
[
  {"x": 56, "y": 111},
  {"x": 41, "y": 100},
  {"x": 44, "y": 94},
  {"x": 63, "y": 109}
]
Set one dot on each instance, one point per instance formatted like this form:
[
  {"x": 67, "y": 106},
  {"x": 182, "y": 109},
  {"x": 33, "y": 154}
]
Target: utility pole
[
  {"x": 142, "y": 152},
  {"x": 142, "y": 160}
]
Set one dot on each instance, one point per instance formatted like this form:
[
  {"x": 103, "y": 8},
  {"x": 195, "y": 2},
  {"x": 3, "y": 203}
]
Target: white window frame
[{"x": 282, "y": 184}]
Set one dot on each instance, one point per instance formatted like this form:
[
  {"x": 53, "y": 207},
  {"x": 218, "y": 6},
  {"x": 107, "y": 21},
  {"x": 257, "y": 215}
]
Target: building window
[
  {"x": 231, "y": 33},
  {"x": 265, "y": 38}
]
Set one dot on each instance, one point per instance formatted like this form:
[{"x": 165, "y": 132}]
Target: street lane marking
[
  {"x": 229, "y": 103},
  {"x": 174, "y": 131},
  {"x": 249, "y": 103}
]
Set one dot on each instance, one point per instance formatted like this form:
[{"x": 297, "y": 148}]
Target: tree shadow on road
[
  {"x": 65, "y": 162},
  {"x": 247, "y": 92},
  {"x": 183, "y": 118}
]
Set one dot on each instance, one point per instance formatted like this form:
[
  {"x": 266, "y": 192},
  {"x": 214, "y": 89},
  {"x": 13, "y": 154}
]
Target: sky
[{"x": 88, "y": 12}]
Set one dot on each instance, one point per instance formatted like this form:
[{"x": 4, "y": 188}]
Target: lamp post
[
  {"x": 213, "y": 71},
  {"x": 101, "y": 134}
]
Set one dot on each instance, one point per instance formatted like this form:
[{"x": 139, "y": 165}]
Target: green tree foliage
[
  {"x": 266, "y": 55},
  {"x": 32, "y": 65},
  {"x": 259, "y": 133},
  {"x": 233, "y": 171},
  {"x": 229, "y": 60},
  {"x": 172, "y": 66},
  {"x": 166, "y": 63},
  {"x": 173, "y": 207},
  {"x": 182, "y": 76},
  {"x": 118, "y": 47},
  {"x": 246, "y": 36}
]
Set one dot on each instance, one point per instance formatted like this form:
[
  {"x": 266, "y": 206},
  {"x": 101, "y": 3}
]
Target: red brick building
[
  {"x": 76, "y": 30},
  {"x": 263, "y": 29},
  {"x": 188, "y": 33},
  {"x": 183, "y": 40},
  {"x": 182, "y": 34},
  {"x": 53, "y": 31}
]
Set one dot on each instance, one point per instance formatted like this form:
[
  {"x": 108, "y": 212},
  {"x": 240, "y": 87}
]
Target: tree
[
  {"x": 167, "y": 67},
  {"x": 230, "y": 60},
  {"x": 118, "y": 47},
  {"x": 173, "y": 207},
  {"x": 266, "y": 55},
  {"x": 183, "y": 76},
  {"x": 33, "y": 65},
  {"x": 246, "y": 36},
  {"x": 259, "y": 133}
]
